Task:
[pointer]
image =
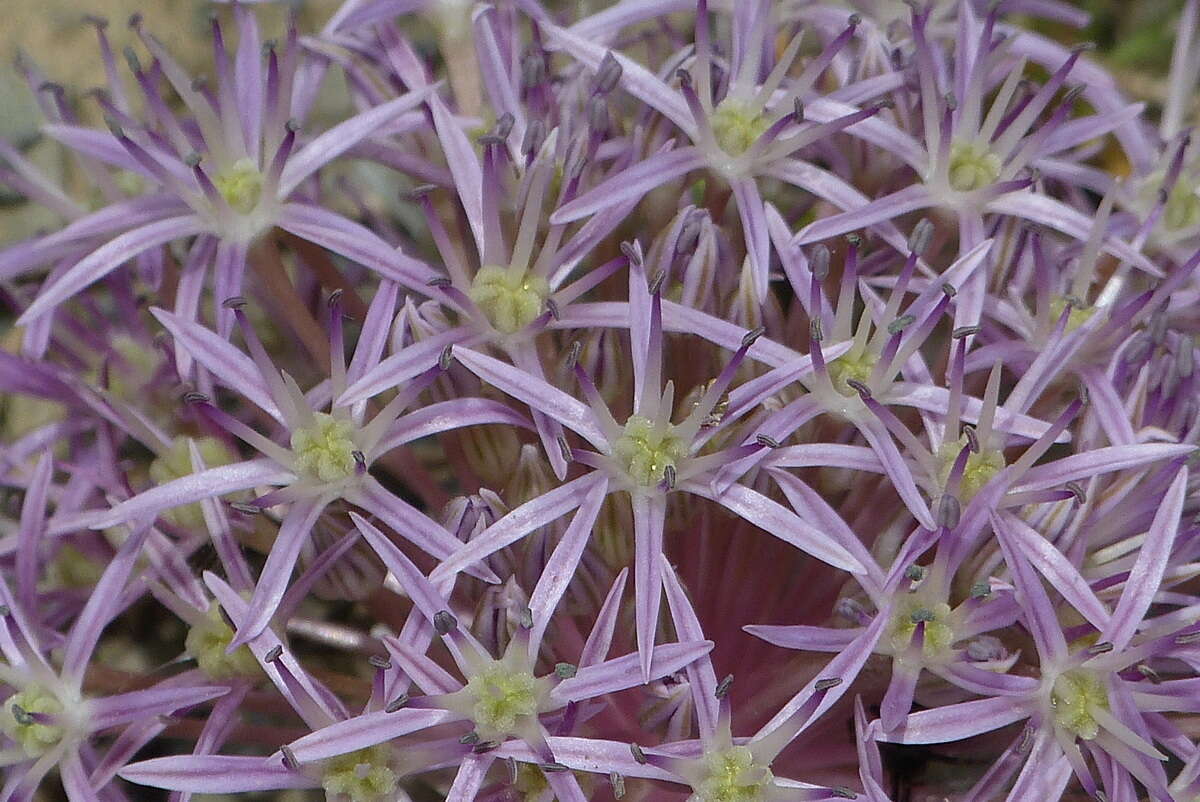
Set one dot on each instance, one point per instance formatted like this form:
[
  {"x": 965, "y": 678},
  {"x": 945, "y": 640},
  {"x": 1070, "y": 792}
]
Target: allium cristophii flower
[{"x": 361, "y": 401}]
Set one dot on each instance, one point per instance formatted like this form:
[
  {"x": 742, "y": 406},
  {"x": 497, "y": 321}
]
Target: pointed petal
[
  {"x": 773, "y": 518},
  {"x": 649, "y": 517},
  {"x": 958, "y": 721},
  {"x": 277, "y": 572},
  {"x": 632, "y": 182},
  {"x": 1147, "y": 573},
  {"x": 214, "y": 774},
  {"x": 107, "y": 258},
  {"x": 343, "y": 136}
]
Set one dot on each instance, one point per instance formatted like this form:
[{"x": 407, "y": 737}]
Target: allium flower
[
  {"x": 750, "y": 130},
  {"x": 648, "y": 456},
  {"x": 1081, "y": 694},
  {"x": 224, "y": 175},
  {"x": 910, "y": 287},
  {"x": 46, "y": 718},
  {"x": 328, "y": 454}
]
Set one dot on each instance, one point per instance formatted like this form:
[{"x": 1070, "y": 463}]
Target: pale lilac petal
[
  {"x": 773, "y": 518},
  {"x": 401, "y": 366},
  {"x": 845, "y": 666},
  {"x": 958, "y": 721},
  {"x": 464, "y": 166},
  {"x": 805, "y": 638},
  {"x": 701, "y": 675},
  {"x": 1038, "y": 613},
  {"x": 107, "y": 258},
  {"x": 1146, "y": 575},
  {"x": 215, "y": 774},
  {"x": 412, "y": 524},
  {"x": 102, "y": 605},
  {"x": 1057, "y": 215},
  {"x": 226, "y": 363},
  {"x": 877, "y": 436},
  {"x": 520, "y": 522},
  {"x": 366, "y": 730},
  {"x": 635, "y": 79},
  {"x": 599, "y": 640},
  {"x": 1062, "y": 575},
  {"x": 590, "y": 755},
  {"x": 277, "y": 572},
  {"x": 906, "y": 200},
  {"x": 754, "y": 229},
  {"x": 632, "y": 182},
  {"x": 626, "y": 672},
  {"x": 355, "y": 242},
  {"x": 1099, "y": 461},
  {"x": 195, "y": 487},
  {"x": 113, "y": 711},
  {"x": 343, "y": 136},
  {"x": 469, "y": 779},
  {"x": 649, "y": 517},
  {"x": 561, "y": 567},
  {"x": 419, "y": 589},
  {"x": 539, "y": 395},
  {"x": 445, "y": 416}
]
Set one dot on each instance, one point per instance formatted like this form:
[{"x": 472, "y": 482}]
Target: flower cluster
[{"x": 677, "y": 399}]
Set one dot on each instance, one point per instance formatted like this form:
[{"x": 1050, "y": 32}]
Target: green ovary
[
  {"x": 980, "y": 468},
  {"x": 362, "y": 776},
  {"x": 972, "y": 166},
  {"x": 736, "y": 127},
  {"x": 34, "y": 737},
  {"x": 207, "y": 643},
  {"x": 325, "y": 448},
  {"x": 848, "y": 368},
  {"x": 1077, "y": 317},
  {"x": 645, "y": 452},
  {"x": 1076, "y": 697},
  {"x": 177, "y": 463},
  {"x": 939, "y": 633},
  {"x": 240, "y": 186},
  {"x": 510, "y": 299},
  {"x": 1183, "y": 208},
  {"x": 501, "y": 698},
  {"x": 71, "y": 568},
  {"x": 732, "y": 776}
]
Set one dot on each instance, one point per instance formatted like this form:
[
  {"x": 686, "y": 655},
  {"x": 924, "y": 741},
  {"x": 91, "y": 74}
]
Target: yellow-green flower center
[
  {"x": 240, "y": 186},
  {"x": 1183, "y": 208},
  {"x": 939, "y": 630},
  {"x": 17, "y": 722},
  {"x": 325, "y": 449},
  {"x": 1076, "y": 697},
  {"x": 207, "y": 643},
  {"x": 502, "y": 699},
  {"x": 848, "y": 368},
  {"x": 645, "y": 451},
  {"x": 1077, "y": 316},
  {"x": 736, "y": 127},
  {"x": 362, "y": 776},
  {"x": 177, "y": 463},
  {"x": 71, "y": 568},
  {"x": 732, "y": 775},
  {"x": 981, "y": 466},
  {"x": 972, "y": 166},
  {"x": 510, "y": 299}
]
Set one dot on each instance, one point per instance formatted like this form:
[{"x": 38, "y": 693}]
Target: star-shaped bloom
[
  {"x": 1085, "y": 698},
  {"x": 224, "y": 174},
  {"x": 649, "y": 456},
  {"x": 742, "y": 130},
  {"x": 325, "y": 456}
]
